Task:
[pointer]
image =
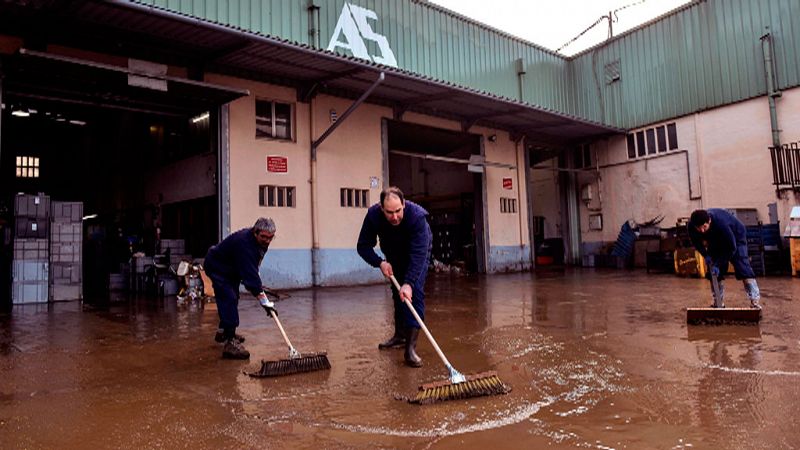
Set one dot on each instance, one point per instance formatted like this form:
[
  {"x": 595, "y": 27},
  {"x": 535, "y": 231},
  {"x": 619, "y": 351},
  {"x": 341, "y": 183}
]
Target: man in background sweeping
[
  {"x": 722, "y": 238},
  {"x": 235, "y": 261},
  {"x": 405, "y": 239}
]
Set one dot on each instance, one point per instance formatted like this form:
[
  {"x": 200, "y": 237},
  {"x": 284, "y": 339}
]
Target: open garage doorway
[
  {"x": 129, "y": 173},
  {"x": 431, "y": 166}
]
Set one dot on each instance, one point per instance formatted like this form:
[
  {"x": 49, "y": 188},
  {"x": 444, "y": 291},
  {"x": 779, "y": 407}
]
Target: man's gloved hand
[{"x": 268, "y": 306}]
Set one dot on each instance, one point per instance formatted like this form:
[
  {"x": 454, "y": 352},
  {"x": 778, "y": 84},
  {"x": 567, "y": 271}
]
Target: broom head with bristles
[
  {"x": 478, "y": 385},
  {"x": 309, "y": 362}
]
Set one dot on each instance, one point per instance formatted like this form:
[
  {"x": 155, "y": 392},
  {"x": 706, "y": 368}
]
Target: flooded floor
[{"x": 596, "y": 359}]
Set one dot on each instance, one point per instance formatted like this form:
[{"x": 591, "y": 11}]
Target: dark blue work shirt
[
  {"x": 237, "y": 259},
  {"x": 407, "y": 246},
  {"x": 726, "y": 237}
]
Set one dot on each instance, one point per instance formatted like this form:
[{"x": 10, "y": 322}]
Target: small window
[
  {"x": 508, "y": 205},
  {"x": 612, "y": 72},
  {"x": 640, "y": 143},
  {"x": 631, "y": 146},
  {"x": 274, "y": 120},
  {"x": 651, "y": 141},
  {"x": 277, "y": 196},
  {"x": 662, "y": 139},
  {"x": 583, "y": 157},
  {"x": 354, "y": 198},
  {"x": 27, "y": 167},
  {"x": 672, "y": 133}
]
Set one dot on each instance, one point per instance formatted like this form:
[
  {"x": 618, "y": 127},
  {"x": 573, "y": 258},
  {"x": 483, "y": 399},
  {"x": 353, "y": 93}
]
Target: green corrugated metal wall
[
  {"x": 705, "y": 55},
  {"x": 425, "y": 39}
]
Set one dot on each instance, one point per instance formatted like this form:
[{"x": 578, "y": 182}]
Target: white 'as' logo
[{"x": 353, "y": 25}]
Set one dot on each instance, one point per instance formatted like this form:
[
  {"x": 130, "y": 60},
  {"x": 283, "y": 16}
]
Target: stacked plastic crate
[
  {"x": 29, "y": 273},
  {"x": 66, "y": 248}
]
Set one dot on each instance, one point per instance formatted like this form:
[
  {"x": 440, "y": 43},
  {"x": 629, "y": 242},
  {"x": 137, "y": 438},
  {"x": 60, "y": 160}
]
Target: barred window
[
  {"x": 354, "y": 198},
  {"x": 276, "y": 196},
  {"x": 508, "y": 205}
]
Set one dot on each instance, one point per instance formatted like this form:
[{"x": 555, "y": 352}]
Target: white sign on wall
[{"x": 353, "y": 25}]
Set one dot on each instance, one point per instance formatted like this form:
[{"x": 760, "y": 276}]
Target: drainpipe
[
  {"x": 521, "y": 78},
  {"x": 313, "y": 23},
  {"x": 772, "y": 82},
  {"x": 520, "y": 167},
  {"x": 313, "y": 185}
]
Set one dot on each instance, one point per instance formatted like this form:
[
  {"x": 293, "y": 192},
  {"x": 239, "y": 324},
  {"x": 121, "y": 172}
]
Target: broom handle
[
  {"x": 421, "y": 324},
  {"x": 283, "y": 333}
]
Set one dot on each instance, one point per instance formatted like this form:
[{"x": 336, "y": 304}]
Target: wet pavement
[{"x": 596, "y": 359}]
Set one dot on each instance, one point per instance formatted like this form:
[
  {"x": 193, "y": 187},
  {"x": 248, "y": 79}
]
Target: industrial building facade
[{"x": 194, "y": 118}]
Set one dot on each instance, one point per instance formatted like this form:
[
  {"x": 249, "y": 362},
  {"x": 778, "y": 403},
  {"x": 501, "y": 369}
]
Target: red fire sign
[
  {"x": 507, "y": 183},
  {"x": 277, "y": 164}
]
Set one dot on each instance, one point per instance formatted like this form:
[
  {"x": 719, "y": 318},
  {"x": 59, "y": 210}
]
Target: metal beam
[{"x": 356, "y": 104}]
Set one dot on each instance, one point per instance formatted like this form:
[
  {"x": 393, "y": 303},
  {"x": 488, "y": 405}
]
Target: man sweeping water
[
  {"x": 722, "y": 238},
  {"x": 405, "y": 239},
  {"x": 235, "y": 261}
]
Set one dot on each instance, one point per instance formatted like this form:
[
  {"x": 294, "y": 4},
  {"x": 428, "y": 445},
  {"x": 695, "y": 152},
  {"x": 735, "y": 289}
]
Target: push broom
[
  {"x": 458, "y": 386},
  {"x": 295, "y": 363}
]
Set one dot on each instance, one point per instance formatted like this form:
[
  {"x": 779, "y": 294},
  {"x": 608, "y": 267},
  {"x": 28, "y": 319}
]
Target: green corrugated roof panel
[{"x": 703, "y": 55}]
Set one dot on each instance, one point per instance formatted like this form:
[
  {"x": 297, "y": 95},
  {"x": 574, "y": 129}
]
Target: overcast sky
[{"x": 552, "y": 23}]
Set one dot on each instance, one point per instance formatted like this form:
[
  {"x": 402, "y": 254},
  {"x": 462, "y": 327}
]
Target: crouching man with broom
[
  {"x": 235, "y": 261},
  {"x": 405, "y": 239},
  {"x": 721, "y": 238}
]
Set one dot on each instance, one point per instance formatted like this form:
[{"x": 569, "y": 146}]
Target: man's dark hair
[
  {"x": 699, "y": 218},
  {"x": 392, "y": 190}
]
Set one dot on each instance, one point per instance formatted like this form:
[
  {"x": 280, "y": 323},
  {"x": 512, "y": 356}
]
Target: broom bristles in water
[
  {"x": 478, "y": 385},
  {"x": 307, "y": 363}
]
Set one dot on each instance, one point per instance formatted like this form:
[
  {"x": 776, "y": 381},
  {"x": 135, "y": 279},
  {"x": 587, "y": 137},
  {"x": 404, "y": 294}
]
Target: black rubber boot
[
  {"x": 396, "y": 341},
  {"x": 412, "y": 359}
]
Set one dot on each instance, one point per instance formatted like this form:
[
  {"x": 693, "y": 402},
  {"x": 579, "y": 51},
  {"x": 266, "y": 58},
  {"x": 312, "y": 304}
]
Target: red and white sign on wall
[
  {"x": 507, "y": 183},
  {"x": 277, "y": 164}
]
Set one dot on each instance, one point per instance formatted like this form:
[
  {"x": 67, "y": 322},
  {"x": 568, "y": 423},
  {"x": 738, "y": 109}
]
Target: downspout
[
  {"x": 521, "y": 79},
  {"x": 772, "y": 91},
  {"x": 313, "y": 185},
  {"x": 520, "y": 167},
  {"x": 313, "y": 22}
]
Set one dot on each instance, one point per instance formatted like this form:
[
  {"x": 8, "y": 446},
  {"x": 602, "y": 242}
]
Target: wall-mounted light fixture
[{"x": 492, "y": 138}]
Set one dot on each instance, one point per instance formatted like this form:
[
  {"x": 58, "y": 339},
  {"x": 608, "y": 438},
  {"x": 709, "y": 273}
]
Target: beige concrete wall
[
  {"x": 729, "y": 166},
  {"x": 248, "y": 164},
  {"x": 506, "y": 229},
  {"x": 346, "y": 159}
]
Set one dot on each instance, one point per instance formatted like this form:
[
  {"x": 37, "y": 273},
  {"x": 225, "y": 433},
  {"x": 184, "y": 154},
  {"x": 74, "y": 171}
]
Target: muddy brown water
[{"x": 596, "y": 359}]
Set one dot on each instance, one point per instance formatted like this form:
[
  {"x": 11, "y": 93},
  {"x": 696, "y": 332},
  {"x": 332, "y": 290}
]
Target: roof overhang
[{"x": 151, "y": 33}]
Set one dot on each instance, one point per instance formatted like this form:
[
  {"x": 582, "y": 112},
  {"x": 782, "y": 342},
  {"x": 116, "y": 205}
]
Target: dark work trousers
[
  {"x": 402, "y": 315},
  {"x": 226, "y": 294},
  {"x": 741, "y": 264}
]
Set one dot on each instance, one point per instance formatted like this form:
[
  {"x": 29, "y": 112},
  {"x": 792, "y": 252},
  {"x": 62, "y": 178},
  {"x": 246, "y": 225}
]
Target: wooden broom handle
[
  {"x": 283, "y": 333},
  {"x": 421, "y": 324}
]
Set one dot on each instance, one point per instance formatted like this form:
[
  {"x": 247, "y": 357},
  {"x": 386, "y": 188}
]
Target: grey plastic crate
[
  {"x": 66, "y": 232},
  {"x": 65, "y": 253},
  {"x": 66, "y": 212},
  {"x": 29, "y": 292},
  {"x": 31, "y": 249},
  {"x": 64, "y": 292},
  {"x": 65, "y": 273},
  {"x": 30, "y": 270},
  {"x": 35, "y": 206},
  {"x": 31, "y": 228},
  {"x": 175, "y": 246}
]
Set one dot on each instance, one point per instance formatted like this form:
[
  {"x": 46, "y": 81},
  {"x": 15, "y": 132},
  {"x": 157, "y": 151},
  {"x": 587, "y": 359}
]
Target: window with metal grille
[
  {"x": 277, "y": 196},
  {"x": 650, "y": 141},
  {"x": 508, "y": 205},
  {"x": 27, "y": 167},
  {"x": 354, "y": 198},
  {"x": 274, "y": 120}
]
